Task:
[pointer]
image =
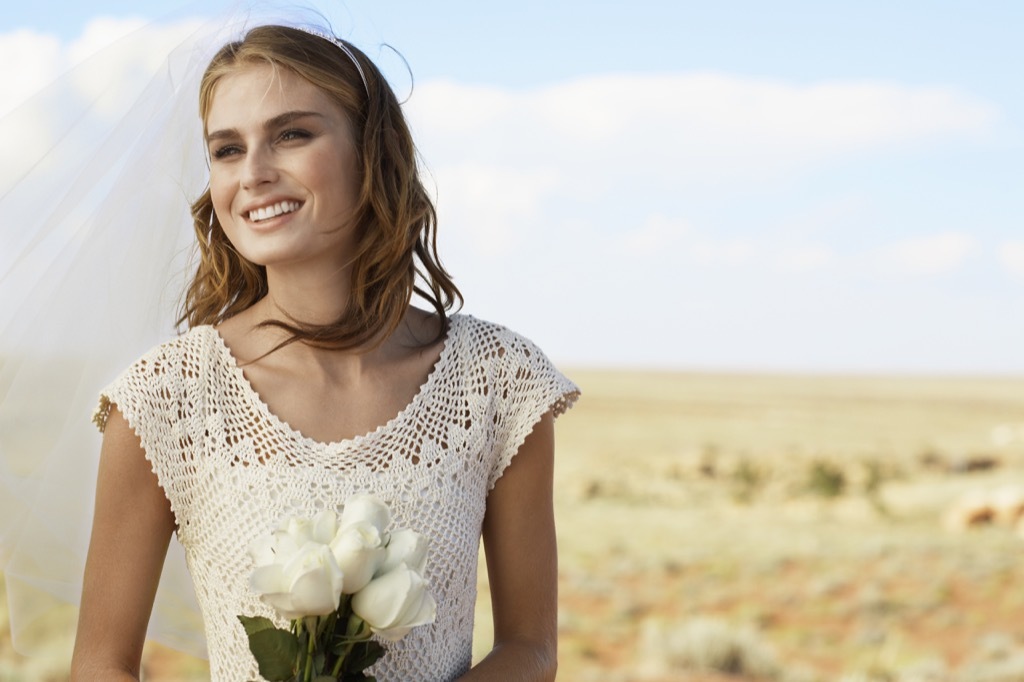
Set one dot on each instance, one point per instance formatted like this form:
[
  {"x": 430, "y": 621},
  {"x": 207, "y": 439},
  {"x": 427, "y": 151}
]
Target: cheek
[
  {"x": 339, "y": 179},
  {"x": 221, "y": 195}
]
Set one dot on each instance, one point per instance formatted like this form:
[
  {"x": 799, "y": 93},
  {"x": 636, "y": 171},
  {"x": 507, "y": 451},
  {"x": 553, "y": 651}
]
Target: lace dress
[{"x": 231, "y": 470}]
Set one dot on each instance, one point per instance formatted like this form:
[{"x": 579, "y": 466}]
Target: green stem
[
  {"x": 296, "y": 627},
  {"x": 337, "y": 664},
  {"x": 355, "y": 631},
  {"x": 311, "y": 624}
]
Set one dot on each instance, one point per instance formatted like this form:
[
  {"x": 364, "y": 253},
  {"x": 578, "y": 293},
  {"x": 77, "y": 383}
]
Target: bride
[{"x": 306, "y": 375}]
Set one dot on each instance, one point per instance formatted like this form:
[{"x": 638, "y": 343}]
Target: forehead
[{"x": 254, "y": 93}]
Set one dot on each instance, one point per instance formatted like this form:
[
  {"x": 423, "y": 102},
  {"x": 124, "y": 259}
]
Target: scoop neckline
[{"x": 280, "y": 424}]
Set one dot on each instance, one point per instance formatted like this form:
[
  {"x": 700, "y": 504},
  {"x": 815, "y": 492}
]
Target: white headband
[{"x": 344, "y": 48}]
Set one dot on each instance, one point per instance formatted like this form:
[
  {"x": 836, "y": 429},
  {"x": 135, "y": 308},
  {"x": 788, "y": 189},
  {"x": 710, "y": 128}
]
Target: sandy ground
[{"x": 730, "y": 527}]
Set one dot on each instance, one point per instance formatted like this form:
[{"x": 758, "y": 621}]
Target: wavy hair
[{"x": 395, "y": 221}]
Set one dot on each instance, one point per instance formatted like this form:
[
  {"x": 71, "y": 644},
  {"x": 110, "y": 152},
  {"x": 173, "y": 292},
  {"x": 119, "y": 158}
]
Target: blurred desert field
[{"x": 754, "y": 527}]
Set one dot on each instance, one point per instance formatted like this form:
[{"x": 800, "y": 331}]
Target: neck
[
  {"x": 312, "y": 298},
  {"x": 308, "y": 297}
]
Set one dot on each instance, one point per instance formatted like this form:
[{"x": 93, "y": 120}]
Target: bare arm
[
  {"x": 131, "y": 529},
  {"x": 522, "y": 564}
]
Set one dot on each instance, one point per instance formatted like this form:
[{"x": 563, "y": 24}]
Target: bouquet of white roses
[{"x": 338, "y": 580}]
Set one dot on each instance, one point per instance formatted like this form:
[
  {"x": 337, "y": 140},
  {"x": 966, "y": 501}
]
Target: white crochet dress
[{"x": 231, "y": 470}]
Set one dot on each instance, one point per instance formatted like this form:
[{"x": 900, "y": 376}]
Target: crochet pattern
[{"x": 231, "y": 470}]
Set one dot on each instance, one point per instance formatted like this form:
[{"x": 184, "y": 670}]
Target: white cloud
[
  {"x": 493, "y": 208},
  {"x": 689, "y": 127},
  {"x": 99, "y": 34},
  {"x": 680, "y": 241},
  {"x": 126, "y": 52},
  {"x": 804, "y": 258},
  {"x": 119, "y": 53},
  {"x": 929, "y": 255},
  {"x": 730, "y": 252},
  {"x": 31, "y": 60},
  {"x": 88, "y": 82},
  {"x": 613, "y": 150},
  {"x": 1011, "y": 255},
  {"x": 657, "y": 235}
]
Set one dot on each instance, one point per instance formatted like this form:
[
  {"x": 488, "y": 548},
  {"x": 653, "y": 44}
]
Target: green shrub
[{"x": 826, "y": 479}]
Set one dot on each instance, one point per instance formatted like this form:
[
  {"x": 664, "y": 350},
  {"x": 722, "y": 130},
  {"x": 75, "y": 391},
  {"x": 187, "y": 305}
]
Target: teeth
[{"x": 273, "y": 211}]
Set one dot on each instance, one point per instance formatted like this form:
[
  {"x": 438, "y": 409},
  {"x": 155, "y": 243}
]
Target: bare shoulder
[
  {"x": 421, "y": 328},
  {"x": 236, "y": 333}
]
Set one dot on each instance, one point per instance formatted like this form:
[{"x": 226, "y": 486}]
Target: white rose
[
  {"x": 324, "y": 527},
  {"x": 306, "y": 583},
  {"x": 277, "y": 547},
  {"x": 406, "y": 547},
  {"x": 395, "y": 603},
  {"x": 298, "y": 528},
  {"x": 291, "y": 534},
  {"x": 359, "y": 551},
  {"x": 264, "y": 549},
  {"x": 366, "y": 508}
]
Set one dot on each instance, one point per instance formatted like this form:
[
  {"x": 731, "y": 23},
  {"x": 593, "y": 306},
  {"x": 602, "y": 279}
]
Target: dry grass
[
  {"x": 806, "y": 510},
  {"x": 791, "y": 524}
]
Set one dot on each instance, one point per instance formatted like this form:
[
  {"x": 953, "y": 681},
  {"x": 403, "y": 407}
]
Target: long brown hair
[{"x": 396, "y": 224}]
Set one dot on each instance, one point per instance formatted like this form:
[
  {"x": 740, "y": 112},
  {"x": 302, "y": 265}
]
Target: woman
[{"x": 307, "y": 376}]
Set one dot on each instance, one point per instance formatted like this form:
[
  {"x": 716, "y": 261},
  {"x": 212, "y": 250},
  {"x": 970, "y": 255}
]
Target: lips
[{"x": 273, "y": 210}]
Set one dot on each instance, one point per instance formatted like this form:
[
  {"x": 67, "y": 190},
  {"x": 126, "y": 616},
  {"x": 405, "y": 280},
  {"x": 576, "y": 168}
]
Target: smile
[{"x": 274, "y": 210}]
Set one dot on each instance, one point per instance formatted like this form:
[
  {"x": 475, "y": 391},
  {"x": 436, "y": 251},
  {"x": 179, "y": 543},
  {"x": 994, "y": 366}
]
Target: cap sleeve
[
  {"x": 156, "y": 396},
  {"x": 147, "y": 394},
  {"x": 527, "y": 386}
]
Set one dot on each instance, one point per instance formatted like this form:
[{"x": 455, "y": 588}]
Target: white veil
[{"x": 95, "y": 247}]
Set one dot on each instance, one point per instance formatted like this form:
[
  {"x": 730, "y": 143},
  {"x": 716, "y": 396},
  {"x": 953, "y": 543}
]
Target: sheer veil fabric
[{"x": 96, "y": 244}]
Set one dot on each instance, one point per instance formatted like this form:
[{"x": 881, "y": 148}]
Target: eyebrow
[{"x": 271, "y": 123}]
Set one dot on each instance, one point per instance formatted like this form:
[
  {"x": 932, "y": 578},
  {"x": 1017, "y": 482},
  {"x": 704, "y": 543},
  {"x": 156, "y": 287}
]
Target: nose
[{"x": 258, "y": 168}]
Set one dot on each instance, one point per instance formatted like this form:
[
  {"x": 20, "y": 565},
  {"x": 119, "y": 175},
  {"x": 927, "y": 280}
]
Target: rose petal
[
  {"x": 395, "y": 603},
  {"x": 392, "y": 634},
  {"x": 262, "y": 550},
  {"x": 358, "y": 551},
  {"x": 283, "y": 604},
  {"x": 396, "y": 633},
  {"x": 285, "y": 545},
  {"x": 268, "y": 579},
  {"x": 368, "y": 508},
  {"x": 380, "y": 603},
  {"x": 408, "y": 547},
  {"x": 299, "y": 528},
  {"x": 313, "y": 594},
  {"x": 325, "y": 525},
  {"x": 419, "y": 607},
  {"x": 421, "y": 611}
]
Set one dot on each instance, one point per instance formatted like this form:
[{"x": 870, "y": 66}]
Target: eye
[
  {"x": 294, "y": 134},
  {"x": 226, "y": 151}
]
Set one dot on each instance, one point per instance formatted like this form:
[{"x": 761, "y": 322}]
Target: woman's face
[{"x": 284, "y": 176}]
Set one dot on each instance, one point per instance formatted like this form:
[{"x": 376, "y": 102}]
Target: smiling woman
[
  {"x": 343, "y": 145},
  {"x": 283, "y": 182},
  {"x": 306, "y": 377}
]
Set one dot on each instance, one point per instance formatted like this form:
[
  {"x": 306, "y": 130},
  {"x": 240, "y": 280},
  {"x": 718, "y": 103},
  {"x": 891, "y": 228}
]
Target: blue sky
[{"x": 734, "y": 185}]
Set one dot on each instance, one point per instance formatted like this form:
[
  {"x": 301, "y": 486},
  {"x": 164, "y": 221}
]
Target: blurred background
[{"x": 780, "y": 247}]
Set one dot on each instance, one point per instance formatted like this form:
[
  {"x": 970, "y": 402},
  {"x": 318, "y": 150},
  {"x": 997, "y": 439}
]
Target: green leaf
[
  {"x": 275, "y": 652},
  {"x": 319, "y": 658},
  {"x": 357, "y": 629},
  {"x": 324, "y": 623},
  {"x": 254, "y": 624},
  {"x": 364, "y": 655},
  {"x": 325, "y": 678}
]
